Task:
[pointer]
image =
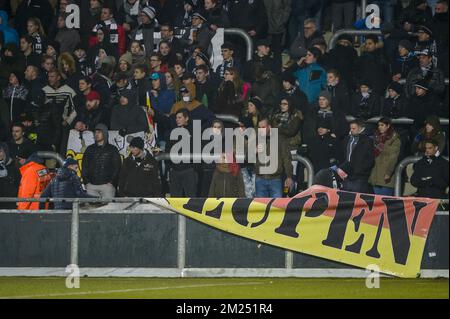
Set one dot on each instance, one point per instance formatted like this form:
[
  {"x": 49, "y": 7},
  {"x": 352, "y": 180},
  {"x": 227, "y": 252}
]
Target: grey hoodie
[{"x": 104, "y": 129}]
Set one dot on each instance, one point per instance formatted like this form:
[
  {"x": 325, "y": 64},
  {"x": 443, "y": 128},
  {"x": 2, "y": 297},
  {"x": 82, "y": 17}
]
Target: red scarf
[{"x": 380, "y": 140}]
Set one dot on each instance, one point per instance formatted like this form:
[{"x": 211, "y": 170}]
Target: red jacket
[{"x": 35, "y": 178}]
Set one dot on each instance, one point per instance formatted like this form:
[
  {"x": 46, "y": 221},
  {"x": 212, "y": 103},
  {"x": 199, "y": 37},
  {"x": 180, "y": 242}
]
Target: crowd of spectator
[{"x": 115, "y": 73}]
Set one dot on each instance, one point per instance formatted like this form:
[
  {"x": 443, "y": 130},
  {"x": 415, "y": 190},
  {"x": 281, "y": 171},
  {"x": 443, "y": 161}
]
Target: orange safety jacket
[{"x": 35, "y": 178}]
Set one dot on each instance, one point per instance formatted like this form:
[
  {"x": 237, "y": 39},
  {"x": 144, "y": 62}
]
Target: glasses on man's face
[
  {"x": 154, "y": 60},
  {"x": 307, "y": 28},
  {"x": 217, "y": 127},
  {"x": 284, "y": 103}
]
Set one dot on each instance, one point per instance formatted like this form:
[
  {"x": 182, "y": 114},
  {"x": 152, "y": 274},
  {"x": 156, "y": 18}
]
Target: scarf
[
  {"x": 12, "y": 92},
  {"x": 380, "y": 140},
  {"x": 282, "y": 118},
  {"x": 112, "y": 27},
  {"x": 230, "y": 166},
  {"x": 3, "y": 170}
]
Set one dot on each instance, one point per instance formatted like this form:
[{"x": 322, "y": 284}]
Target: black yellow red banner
[{"x": 352, "y": 228}]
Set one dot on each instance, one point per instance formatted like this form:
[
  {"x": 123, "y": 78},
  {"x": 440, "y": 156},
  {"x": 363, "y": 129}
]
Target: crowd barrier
[{"x": 132, "y": 238}]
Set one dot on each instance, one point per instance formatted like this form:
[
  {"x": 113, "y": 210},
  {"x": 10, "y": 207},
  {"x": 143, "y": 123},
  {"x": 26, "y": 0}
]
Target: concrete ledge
[{"x": 204, "y": 272}]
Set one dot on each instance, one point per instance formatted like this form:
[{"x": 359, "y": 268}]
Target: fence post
[
  {"x": 181, "y": 253},
  {"x": 75, "y": 225}
]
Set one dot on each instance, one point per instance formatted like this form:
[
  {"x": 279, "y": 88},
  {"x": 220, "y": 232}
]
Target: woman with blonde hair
[
  {"x": 68, "y": 70},
  {"x": 35, "y": 30}
]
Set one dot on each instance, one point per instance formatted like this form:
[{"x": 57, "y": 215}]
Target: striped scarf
[{"x": 111, "y": 25}]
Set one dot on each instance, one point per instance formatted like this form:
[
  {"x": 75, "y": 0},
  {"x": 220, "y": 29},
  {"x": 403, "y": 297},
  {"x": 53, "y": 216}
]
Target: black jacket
[
  {"x": 358, "y": 164},
  {"x": 366, "y": 108},
  {"x": 66, "y": 184},
  {"x": 27, "y": 147},
  {"x": 248, "y": 15},
  {"x": 298, "y": 98},
  {"x": 335, "y": 118},
  {"x": 131, "y": 118},
  {"x": 343, "y": 58},
  {"x": 324, "y": 152},
  {"x": 48, "y": 119},
  {"x": 340, "y": 97},
  {"x": 395, "y": 108},
  {"x": 373, "y": 67},
  {"x": 140, "y": 177},
  {"x": 431, "y": 177},
  {"x": 92, "y": 117},
  {"x": 403, "y": 65},
  {"x": 420, "y": 107},
  {"x": 9, "y": 182},
  {"x": 101, "y": 164}
]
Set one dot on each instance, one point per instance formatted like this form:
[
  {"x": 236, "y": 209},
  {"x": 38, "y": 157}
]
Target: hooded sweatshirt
[
  {"x": 165, "y": 99},
  {"x": 130, "y": 118}
]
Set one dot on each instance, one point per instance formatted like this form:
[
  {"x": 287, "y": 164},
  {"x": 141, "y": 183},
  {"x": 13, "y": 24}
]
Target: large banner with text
[{"x": 357, "y": 229}]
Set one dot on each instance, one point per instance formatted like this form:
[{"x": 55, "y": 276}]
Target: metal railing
[
  {"x": 245, "y": 36},
  {"x": 399, "y": 172},
  {"x": 51, "y": 155},
  {"x": 403, "y": 120}
]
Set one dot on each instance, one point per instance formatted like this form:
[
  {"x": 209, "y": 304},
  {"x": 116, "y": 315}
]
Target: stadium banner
[
  {"x": 357, "y": 229},
  {"x": 79, "y": 141}
]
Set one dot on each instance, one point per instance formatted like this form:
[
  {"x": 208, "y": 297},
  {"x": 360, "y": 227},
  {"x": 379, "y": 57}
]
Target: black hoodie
[{"x": 130, "y": 118}]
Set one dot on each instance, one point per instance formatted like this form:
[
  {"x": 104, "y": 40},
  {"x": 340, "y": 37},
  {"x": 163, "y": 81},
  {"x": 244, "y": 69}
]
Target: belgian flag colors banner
[{"x": 356, "y": 229}]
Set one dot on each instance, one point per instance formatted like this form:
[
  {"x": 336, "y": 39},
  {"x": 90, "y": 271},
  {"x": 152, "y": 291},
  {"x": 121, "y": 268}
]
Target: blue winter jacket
[
  {"x": 166, "y": 98},
  {"x": 10, "y": 35},
  {"x": 66, "y": 184},
  {"x": 312, "y": 80}
]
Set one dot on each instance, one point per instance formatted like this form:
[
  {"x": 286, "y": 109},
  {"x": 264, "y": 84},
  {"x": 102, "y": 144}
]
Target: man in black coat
[
  {"x": 183, "y": 176},
  {"x": 101, "y": 165},
  {"x": 9, "y": 177},
  {"x": 366, "y": 103},
  {"x": 324, "y": 150},
  {"x": 422, "y": 104},
  {"x": 325, "y": 112},
  {"x": 372, "y": 65},
  {"x": 139, "y": 176},
  {"x": 431, "y": 173},
  {"x": 395, "y": 105},
  {"x": 340, "y": 97},
  {"x": 342, "y": 58},
  {"x": 359, "y": 160}
]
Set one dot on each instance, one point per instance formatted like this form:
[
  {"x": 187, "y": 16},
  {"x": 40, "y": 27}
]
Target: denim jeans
[
  {"x": 386, "y": 191},
  {"x": 268, "y": 188}
]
